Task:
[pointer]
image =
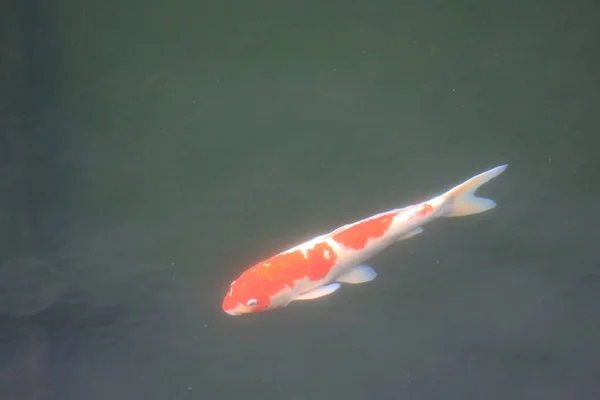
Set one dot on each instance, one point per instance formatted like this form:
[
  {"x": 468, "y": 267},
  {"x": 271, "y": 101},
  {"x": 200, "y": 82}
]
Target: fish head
[
  {"x": 246, "y": 295},
  {"x": 273, "y": 283}
]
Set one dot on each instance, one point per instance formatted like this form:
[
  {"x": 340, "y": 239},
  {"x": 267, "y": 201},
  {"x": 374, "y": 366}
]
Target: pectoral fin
[
  {"x": 360, "y": 274},
  {"x": 319, "y": 292},
  {"x": 411, "y": 234}
]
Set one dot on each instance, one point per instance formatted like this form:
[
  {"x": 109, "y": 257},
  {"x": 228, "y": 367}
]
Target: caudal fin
[{"x": 461, "y": 200}]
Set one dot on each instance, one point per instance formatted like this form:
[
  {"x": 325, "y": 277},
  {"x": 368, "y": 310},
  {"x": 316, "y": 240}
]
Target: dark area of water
[{"x": 151, "y": 151}]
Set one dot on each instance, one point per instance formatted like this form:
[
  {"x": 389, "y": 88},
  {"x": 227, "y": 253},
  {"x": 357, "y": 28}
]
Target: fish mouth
[
  {"x": 231, "y": 306},
  {"x": 237, "y": 310}
]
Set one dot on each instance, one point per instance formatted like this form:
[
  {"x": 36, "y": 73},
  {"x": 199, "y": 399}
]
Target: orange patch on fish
[
  {"x": 425, "y": 209},
  {"x": 356, "y": 236},
  {"x": 284, "y": 269}
]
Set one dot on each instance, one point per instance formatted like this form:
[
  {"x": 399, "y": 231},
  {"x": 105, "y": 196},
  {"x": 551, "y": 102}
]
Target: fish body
[{"x": 318, "y": 267}]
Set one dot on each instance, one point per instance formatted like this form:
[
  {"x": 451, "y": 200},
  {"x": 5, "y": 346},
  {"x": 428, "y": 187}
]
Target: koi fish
[{"x": 319, "y": 266}]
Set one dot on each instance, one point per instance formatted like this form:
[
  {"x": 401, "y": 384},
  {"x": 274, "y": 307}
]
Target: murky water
[{"x": 151, "y": 152}]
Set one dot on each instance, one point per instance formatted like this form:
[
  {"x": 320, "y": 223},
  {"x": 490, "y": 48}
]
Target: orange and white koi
[{"x": 319, "y": 266}]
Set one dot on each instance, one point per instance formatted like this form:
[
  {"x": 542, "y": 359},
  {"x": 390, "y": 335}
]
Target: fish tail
[{"x": 461, "y": 200}]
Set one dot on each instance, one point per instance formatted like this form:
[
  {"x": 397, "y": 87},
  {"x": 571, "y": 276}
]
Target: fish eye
[{"x": 252, "y": 302}]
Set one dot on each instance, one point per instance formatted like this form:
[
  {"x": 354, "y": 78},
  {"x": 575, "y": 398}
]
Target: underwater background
[{"x": 151, "y": 151}]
